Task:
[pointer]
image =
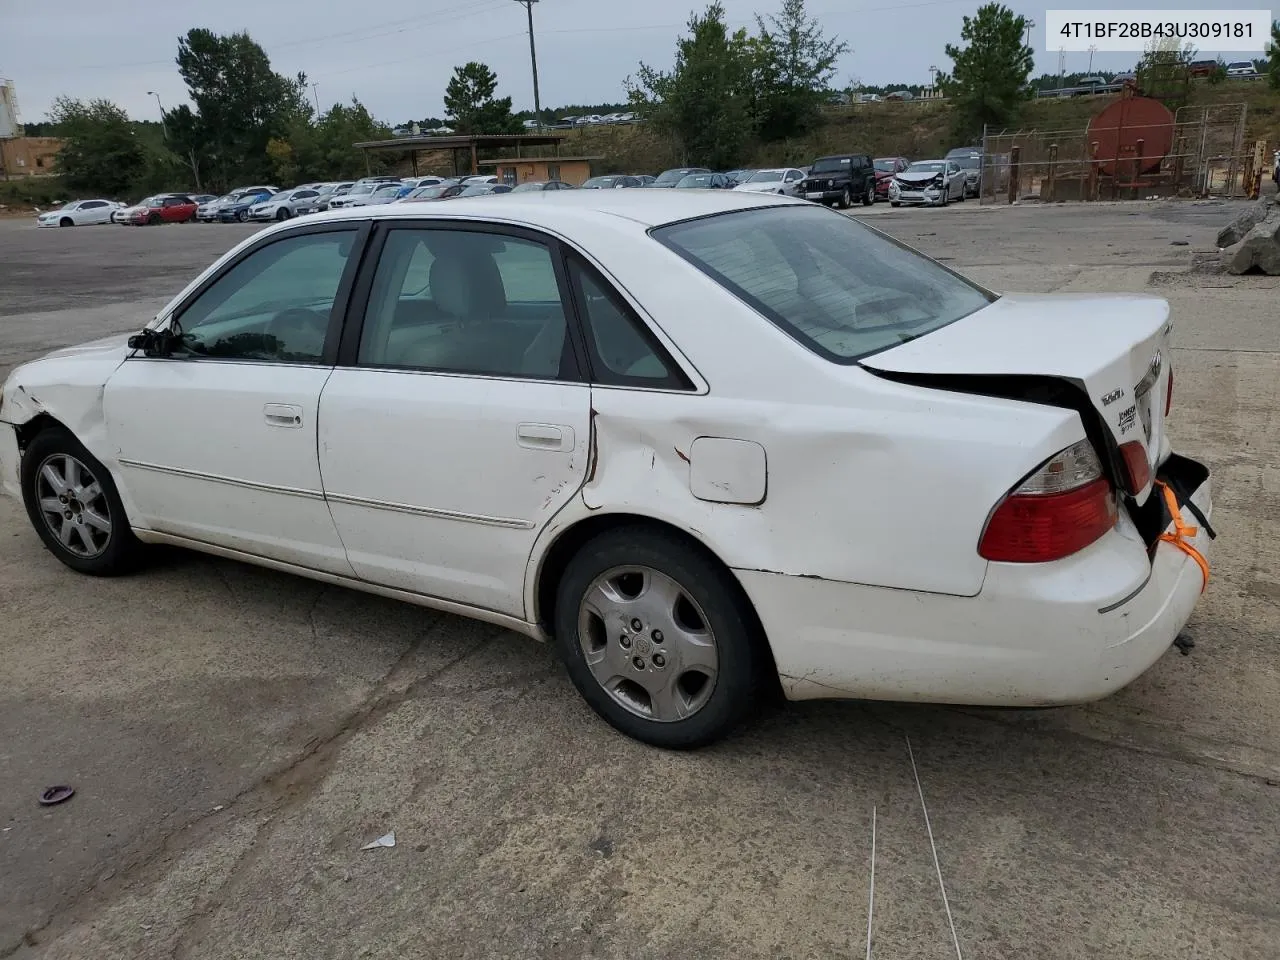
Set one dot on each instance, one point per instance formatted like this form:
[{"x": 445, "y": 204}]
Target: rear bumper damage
[{"x": 1065, "y": 632}]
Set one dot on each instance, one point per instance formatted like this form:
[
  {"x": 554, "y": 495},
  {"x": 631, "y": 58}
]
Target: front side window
[
  {"x": 274, "y": 305},
  {"x": 835, "y": 285},
  {"x": 458, "y": 301}
]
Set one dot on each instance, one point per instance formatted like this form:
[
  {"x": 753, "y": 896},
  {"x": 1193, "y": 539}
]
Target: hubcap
[
  {"x": 648, "y": 643},
  {"x": 73, "y": 505}
]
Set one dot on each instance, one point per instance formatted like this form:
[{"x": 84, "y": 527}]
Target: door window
[
  {"x": 274, "y": 305},
  {"x": 623, "y": 351},
  {"x": 794, "y": 175},
  {"x": 458, "y": 301}
]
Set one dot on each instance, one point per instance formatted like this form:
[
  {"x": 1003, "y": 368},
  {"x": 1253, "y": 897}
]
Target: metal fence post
[{"x": 1015, "y": 159}]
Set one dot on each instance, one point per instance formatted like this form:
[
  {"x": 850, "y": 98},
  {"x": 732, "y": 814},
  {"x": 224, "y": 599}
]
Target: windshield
[
  {"x": 477, "y": 190},
  {"x": 967, "y": 163},
  {"x": 766, "y": 176},
  {"x": 927, "y": 166},
  {"x": 152, "y": 202},
  {"x": 363, "y": 188},
  {"x": 282, "y": 195},
  {"x": 695, "y": 180},
  {"x": 527, "y": 187},
  {"x": 673, "y": 176},
  {"x": 1240, "y": 65},
  {"x": 832, "y": 165},
  {"x": 885, "y": 166},
  {"x": 600, "y": 182},
  {"x": 428, "y": 193},
  {"x": 835, "y": 285}
]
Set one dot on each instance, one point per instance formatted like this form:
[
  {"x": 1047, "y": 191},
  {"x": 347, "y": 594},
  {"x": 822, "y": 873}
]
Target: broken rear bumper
[{"x": 1065, "y": 632}]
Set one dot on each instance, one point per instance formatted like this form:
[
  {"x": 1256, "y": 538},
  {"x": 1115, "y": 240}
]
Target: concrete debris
[
  {"x": 387, "y": 840},
  {"x": 1259, "y": 251},
  {"x": 1235, "y": 231}
]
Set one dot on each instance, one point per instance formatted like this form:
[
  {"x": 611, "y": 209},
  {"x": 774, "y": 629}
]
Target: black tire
[
  {"x": 740, "y": 661},
  {"x": 282, "y": 214},
  {"x": 122, "y": 550},
  {"x": 243, "y": 216},
  {"x": 869, "y": 197},
  {"x": 846, "y": 199},
  {"x": 66, "y": 222},
  {"x": 153, "y": 219},
  {"x": 894, "y": 203}
]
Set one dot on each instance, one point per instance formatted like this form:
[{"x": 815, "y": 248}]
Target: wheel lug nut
[
  {"x": 659, "y": 660},
  {"x": 657, "y": 636},
  {"x": 66, "y": 514},
  {"x": 638, "y": 662},
  {"x": 62, "y": 499},
  {"x": 625, "y": 641},
  {"x": 637, "y": 625}
]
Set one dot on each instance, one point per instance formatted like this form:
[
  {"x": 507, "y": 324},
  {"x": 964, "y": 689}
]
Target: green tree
[
  {"x": 101, "y": 152},
  {"x": 706, "y": 100},
  {"x": 799, "y": 61},
  {"x": 241, "y": 102},
  {"x": 471, "y": 106},
  {"x": 1162, "y": 71},
  {"x": 1273, "y": 57},
  {"x": 988, "y": 80}
]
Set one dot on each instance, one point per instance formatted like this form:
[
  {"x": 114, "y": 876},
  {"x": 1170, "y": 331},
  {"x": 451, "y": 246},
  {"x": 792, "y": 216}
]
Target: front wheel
[
  {"x": 658, "y": 638},
  {"x": 153, "y": 219},
  {"x": 894, "y": 203},
  {"x": 243, "y": 216},
  {"x": 282, "y": 214},
  {"x": 870, "y": 196},
  {"x": 846, "y": 199},
  {"x": 74, "y": 506}
]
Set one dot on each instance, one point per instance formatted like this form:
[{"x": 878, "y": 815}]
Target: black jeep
[{"x": 841, "y": 179}]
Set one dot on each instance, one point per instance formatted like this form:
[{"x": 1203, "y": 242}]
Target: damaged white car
[{"x": 707, "y": 443}]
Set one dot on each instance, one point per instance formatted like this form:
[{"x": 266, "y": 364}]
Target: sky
[{"x": 398, "y": 57}]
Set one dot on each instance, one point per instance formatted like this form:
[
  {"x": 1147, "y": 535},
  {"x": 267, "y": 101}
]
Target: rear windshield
[{"x": 839, "y": 287}]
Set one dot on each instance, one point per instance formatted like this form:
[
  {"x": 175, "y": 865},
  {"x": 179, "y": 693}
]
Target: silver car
[
  {"x": 283, "y": 205},
  {"x": 928, "y": 182},
  {"x": 357, "y": 196}
]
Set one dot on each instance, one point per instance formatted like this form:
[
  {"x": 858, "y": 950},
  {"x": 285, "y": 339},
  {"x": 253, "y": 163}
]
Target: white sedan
[
  {"x": 78, "y": 213},
  {"x": 785, "y": 181},
  {"x": 928, "y": 182},
  {"x": 704, "y": 442}
]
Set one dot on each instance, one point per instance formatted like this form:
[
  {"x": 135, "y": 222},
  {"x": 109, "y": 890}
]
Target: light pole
[
  {"x": 533, "y": 57},
  {"x": 1092, "y": 50},
  {"x": 1030, "y": 25},
  {"x": 163, "y": 126},
  {"x": 933, "y": 79},
  {"x": 315, "y": 92}
]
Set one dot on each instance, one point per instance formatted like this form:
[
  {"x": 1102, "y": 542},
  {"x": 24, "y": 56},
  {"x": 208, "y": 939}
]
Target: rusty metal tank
[{"x": 1133, "y": 135}]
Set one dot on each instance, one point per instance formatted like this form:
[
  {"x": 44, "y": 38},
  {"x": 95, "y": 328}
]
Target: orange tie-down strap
[{"x": 1181, "y": 532}]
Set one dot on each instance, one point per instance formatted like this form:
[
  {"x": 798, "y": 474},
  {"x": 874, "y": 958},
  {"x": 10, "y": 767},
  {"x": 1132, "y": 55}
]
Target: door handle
[
  {"x": 282, "y": 415},
  {"x": 544, "y": 436}
]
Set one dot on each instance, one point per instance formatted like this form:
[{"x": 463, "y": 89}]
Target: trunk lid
[{"x": 1113, "y": 349}]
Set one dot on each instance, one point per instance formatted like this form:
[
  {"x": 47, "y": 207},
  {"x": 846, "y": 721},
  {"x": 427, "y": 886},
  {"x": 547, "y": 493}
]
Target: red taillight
[
  {"x": 1135, "y": 464},
  {"x": 1168, "y": 394},
  {"x": 1063, "y": 507}
]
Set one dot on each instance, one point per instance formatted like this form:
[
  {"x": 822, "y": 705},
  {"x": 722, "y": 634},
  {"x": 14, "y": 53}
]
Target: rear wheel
[
  {"x": 73, "y": 504},
  {"x": 657, "y": 638}
]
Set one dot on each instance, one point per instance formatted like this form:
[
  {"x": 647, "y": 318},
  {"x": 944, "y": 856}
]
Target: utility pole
[
  {"x": 1092, "y": 50},
  {"x": 316, "y": 93},
  {"x": 163, "y": 126},
  {"x": 1030, "y": 25},
  {"x": 533, "y": 56}
]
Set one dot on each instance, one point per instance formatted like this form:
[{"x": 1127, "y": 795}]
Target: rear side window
[{"x": 840, "y": 288}]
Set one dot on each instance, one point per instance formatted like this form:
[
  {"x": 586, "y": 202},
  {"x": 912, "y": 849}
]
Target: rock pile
[{"x": 1251, "y": 242}]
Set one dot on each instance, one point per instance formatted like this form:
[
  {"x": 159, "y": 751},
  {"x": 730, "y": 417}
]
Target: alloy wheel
[
  {"x": 648, "y": 643},
  {"x": 73, "y": 505}
]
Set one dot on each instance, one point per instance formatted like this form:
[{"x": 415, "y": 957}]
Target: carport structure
[{"x": 519, "y": 142}]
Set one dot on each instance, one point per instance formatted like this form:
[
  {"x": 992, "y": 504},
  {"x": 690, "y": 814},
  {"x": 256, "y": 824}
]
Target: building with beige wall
[{"x": 29, "y": 156}]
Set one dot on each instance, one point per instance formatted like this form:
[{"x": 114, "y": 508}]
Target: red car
[
  {"x": 886, "y": 167},
  {"x": 164, "y": 208}
]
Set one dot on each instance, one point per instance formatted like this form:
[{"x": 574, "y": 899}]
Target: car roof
[{"x": 562, "y": 209}]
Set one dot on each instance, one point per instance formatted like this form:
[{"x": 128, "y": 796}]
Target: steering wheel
[{"x": 294, "y": 328}]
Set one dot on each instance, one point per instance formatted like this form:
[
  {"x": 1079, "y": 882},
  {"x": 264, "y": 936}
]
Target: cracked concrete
[{"x": 236, "y": 735}]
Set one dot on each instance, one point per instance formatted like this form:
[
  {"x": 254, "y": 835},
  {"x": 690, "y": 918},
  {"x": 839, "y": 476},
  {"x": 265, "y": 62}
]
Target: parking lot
[{"x": 235, "y": 736}]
